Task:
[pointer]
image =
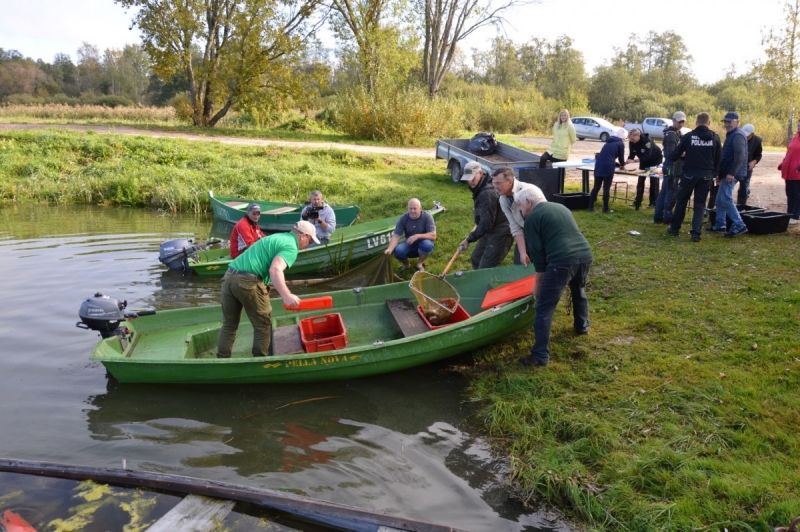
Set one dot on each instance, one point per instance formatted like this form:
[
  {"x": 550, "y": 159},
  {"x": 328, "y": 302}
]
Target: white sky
[{"x": 717, "y": 33}]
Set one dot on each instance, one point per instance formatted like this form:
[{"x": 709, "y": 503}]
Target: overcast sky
[{"x": 717, "y": 33}]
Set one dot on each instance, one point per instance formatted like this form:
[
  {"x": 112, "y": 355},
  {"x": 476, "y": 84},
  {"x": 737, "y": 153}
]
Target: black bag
[{"x": 482, "y": 144}]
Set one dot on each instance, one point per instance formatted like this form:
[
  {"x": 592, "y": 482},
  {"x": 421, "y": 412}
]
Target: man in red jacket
[{"x": 246, "y": 231}]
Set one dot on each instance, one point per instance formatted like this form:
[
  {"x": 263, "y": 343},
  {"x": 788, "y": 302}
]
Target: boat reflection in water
[{"x": 383, "y": 441}]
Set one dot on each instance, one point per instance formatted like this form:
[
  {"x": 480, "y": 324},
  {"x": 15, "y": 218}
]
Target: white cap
[
  {"x": 749, "y": 129},
  {"x": 307, "y": 228},
  {"x": 679, "y": 116},
  {"x": 469, "y": 170},
  {"x": 621, "y": 133}
]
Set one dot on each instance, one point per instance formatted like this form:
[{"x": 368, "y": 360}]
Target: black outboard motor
[
  {"x": 174, "y": 254},
  {"x": 104, "y": 314}
]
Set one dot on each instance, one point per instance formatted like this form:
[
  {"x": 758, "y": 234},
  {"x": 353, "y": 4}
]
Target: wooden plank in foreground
[
  {"x": 194, "y": 513},
  {"x": 407, "y": 317}
]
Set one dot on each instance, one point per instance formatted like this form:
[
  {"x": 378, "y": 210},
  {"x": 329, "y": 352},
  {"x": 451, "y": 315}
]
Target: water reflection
[{"x": 393, "y": 443}]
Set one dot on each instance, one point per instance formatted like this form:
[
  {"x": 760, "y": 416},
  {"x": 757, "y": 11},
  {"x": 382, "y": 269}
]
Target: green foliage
[
  {"x": 399, "y": 116},
  {"x": 678, "y": 411}
]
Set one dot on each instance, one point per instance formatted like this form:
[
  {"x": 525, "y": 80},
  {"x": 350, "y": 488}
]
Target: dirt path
[{"x": 767, "y": 189}]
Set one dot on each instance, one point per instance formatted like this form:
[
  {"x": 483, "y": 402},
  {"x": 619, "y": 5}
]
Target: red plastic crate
[
  {"x": 323, "y": 333},
  {"x": 458, "y": 315}
]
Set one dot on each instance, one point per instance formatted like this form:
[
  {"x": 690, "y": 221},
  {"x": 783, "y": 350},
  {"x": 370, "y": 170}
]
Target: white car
[{"x": 589, "y": 127}]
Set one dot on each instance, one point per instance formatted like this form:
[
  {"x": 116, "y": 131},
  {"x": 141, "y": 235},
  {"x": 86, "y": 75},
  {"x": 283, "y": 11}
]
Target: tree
[
  {"x": 446, "y": 23},
  {"x": 668, "y": 65},
  {"x": 779, "y": 73},
  {"x": 562, "y": 72},
  {"x": 378, "y": 45},
  {"x": 245, "y": 47},
  {"x": 91, "y": 75},
  {"x": 500, "y": 64},
  {"x": 19, "y": 75}
]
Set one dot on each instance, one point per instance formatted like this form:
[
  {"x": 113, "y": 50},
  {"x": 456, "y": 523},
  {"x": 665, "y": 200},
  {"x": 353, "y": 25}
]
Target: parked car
[
  {"x": 654, "y": 127},
  {"x": 589, "y": 127}
]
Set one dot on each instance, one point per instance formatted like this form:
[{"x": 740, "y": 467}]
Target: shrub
[
  {"x": 403, "y": 116},
  {"x": 183, "y": 107}
]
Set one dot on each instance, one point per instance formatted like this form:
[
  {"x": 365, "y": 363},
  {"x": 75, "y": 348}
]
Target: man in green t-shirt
[
  {"x": 561, "y": 256},
  {"x": 245, "y": 286}
]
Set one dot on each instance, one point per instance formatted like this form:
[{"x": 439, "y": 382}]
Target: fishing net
[{"x": 438, "y": 299}]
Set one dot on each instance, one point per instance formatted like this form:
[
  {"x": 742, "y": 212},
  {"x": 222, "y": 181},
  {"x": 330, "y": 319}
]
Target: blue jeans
[
  {"x": 556, "y": 278},
  {"x": 420, "y": 247},
  {"x": 700, "y": 186},
  {"x": 725, "y": 207},
  {"x": 665, "y": 199}
]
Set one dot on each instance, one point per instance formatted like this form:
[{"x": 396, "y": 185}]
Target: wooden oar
[{"x": 450, "y": 264}]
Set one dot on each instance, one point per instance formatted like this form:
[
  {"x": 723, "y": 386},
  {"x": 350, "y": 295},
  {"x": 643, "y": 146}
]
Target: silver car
[{"x": 590, "y": 127}]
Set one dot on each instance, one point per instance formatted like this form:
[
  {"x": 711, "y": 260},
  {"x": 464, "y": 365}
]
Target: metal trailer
[{"x": 455, "y": 152}]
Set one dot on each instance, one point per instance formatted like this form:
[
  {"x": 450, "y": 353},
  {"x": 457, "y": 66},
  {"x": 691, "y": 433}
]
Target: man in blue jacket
[{"x": 732, "y": 167}]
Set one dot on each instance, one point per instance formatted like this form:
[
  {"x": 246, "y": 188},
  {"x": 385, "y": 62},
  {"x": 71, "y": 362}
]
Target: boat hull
[
  {"x": 275, "y": 216},
  {"x": 348, "y": 247},
  {"x": 179, "y": 346}
]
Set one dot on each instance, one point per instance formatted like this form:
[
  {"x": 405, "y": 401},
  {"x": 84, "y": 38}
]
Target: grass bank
[{"x": 678, "y": 412}]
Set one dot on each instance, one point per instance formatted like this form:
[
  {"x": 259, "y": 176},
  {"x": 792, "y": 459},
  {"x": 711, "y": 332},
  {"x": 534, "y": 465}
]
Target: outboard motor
[
  {"x": 101, "y": 313},
  {"x": 174, "y": 254},
  {"x": 104, "y": 314}
]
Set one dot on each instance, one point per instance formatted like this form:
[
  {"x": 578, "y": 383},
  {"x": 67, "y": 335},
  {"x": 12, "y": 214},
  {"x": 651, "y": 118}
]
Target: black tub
[
  {"x": 573, "y": 201},
  {"x": 766, "y": 222},
  {"x": 712, "y": 213}
]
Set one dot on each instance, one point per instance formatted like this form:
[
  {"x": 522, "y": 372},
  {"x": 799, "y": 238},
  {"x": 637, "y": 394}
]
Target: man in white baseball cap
[
  {"x": 243, "y": 286},
  {"x": 754, "y": 152}
]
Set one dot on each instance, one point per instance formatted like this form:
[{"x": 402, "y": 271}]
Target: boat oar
[{"x": 312, "y": 303}]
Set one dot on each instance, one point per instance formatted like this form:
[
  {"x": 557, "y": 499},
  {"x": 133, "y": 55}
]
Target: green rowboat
[
  {"x": 348, "y": 246},
  {"x": 275, "y": 216},
  {"x": 371, "y": 330}
]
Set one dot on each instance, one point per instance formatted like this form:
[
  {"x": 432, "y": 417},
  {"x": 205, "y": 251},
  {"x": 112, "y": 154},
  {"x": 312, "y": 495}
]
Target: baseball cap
[
  {"x": 254, "y": 207},
  {"x": 621, "y": 133},
  {"x": 307, "y": 228},
  {"x": 749, "y": 129},
  {"x": 731, "y": 116},
  {"x": 679, "y": 116},
  {"x": 469, "y": 170}
]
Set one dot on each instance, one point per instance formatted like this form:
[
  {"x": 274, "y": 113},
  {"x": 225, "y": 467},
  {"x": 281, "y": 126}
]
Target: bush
[
  {"x": 183, "y": 107},
  {"x": 399, "y": 116}
]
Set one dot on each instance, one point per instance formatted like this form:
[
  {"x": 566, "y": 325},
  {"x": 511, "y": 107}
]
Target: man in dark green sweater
[{"x": 562, "y": 257}]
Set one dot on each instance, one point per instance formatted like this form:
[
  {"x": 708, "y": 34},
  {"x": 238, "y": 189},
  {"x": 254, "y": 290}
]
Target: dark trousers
[
  {"x": 251, "y": 294},
  {"x": 712, "y": 194},
  {"x": 700, "y": 186},
  {"x": 793, "y": 198},
  {"x": 604, "y": 182},
  {"x": 640, "y": 191},
  {"x": 490, "y": 250},
  {"x": 547, "y": 157},
  {"x": 744, "y": 189},
  {"x": 555, "y": 279}
]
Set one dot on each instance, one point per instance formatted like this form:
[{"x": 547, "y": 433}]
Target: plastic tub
[
  {"x": 323, "y": 333},
  {"x": 766, "y": 222},
  {"x": 573, "y": 201},
  {"x": 458, "y": 315}
]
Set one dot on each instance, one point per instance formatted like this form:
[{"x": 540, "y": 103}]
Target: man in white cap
[
  {"x": 665, "y": 201},
  {"x": 245, "y": 286},
  {"x": 754, "y": 151},
  {"x": 491, "y": 230},
  {"x": 246, "y": 231}
]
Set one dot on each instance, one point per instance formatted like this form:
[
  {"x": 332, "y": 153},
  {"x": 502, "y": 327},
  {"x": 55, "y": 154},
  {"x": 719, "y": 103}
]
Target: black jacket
[
  {"x": 646, "y": 150},
  {"x": 703, "y": 151},
  {"x": 489, "y": 217},
  {"x": 754, "y": 149}
]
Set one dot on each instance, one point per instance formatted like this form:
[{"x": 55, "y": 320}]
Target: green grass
[{"x": 679, "y": 411}]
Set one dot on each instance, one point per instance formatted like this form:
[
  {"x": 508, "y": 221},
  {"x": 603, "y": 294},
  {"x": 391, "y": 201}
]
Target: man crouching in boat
[
  {"x": 562, "y": 257},
  {"x": 245, "y": 286}
]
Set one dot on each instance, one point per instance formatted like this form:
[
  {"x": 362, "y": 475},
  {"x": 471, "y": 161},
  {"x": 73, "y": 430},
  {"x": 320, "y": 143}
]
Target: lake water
[{"x": 397, "y": 443}]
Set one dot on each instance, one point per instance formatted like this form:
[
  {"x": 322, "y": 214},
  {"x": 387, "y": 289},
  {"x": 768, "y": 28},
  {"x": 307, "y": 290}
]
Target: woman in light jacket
[{"x": 563, "y": 139}]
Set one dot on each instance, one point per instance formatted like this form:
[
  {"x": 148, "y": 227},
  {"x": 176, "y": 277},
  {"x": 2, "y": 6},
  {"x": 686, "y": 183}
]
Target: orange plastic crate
[
  {"x": 323, "y": 333},
  {"x": 458, "y": 315}
]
